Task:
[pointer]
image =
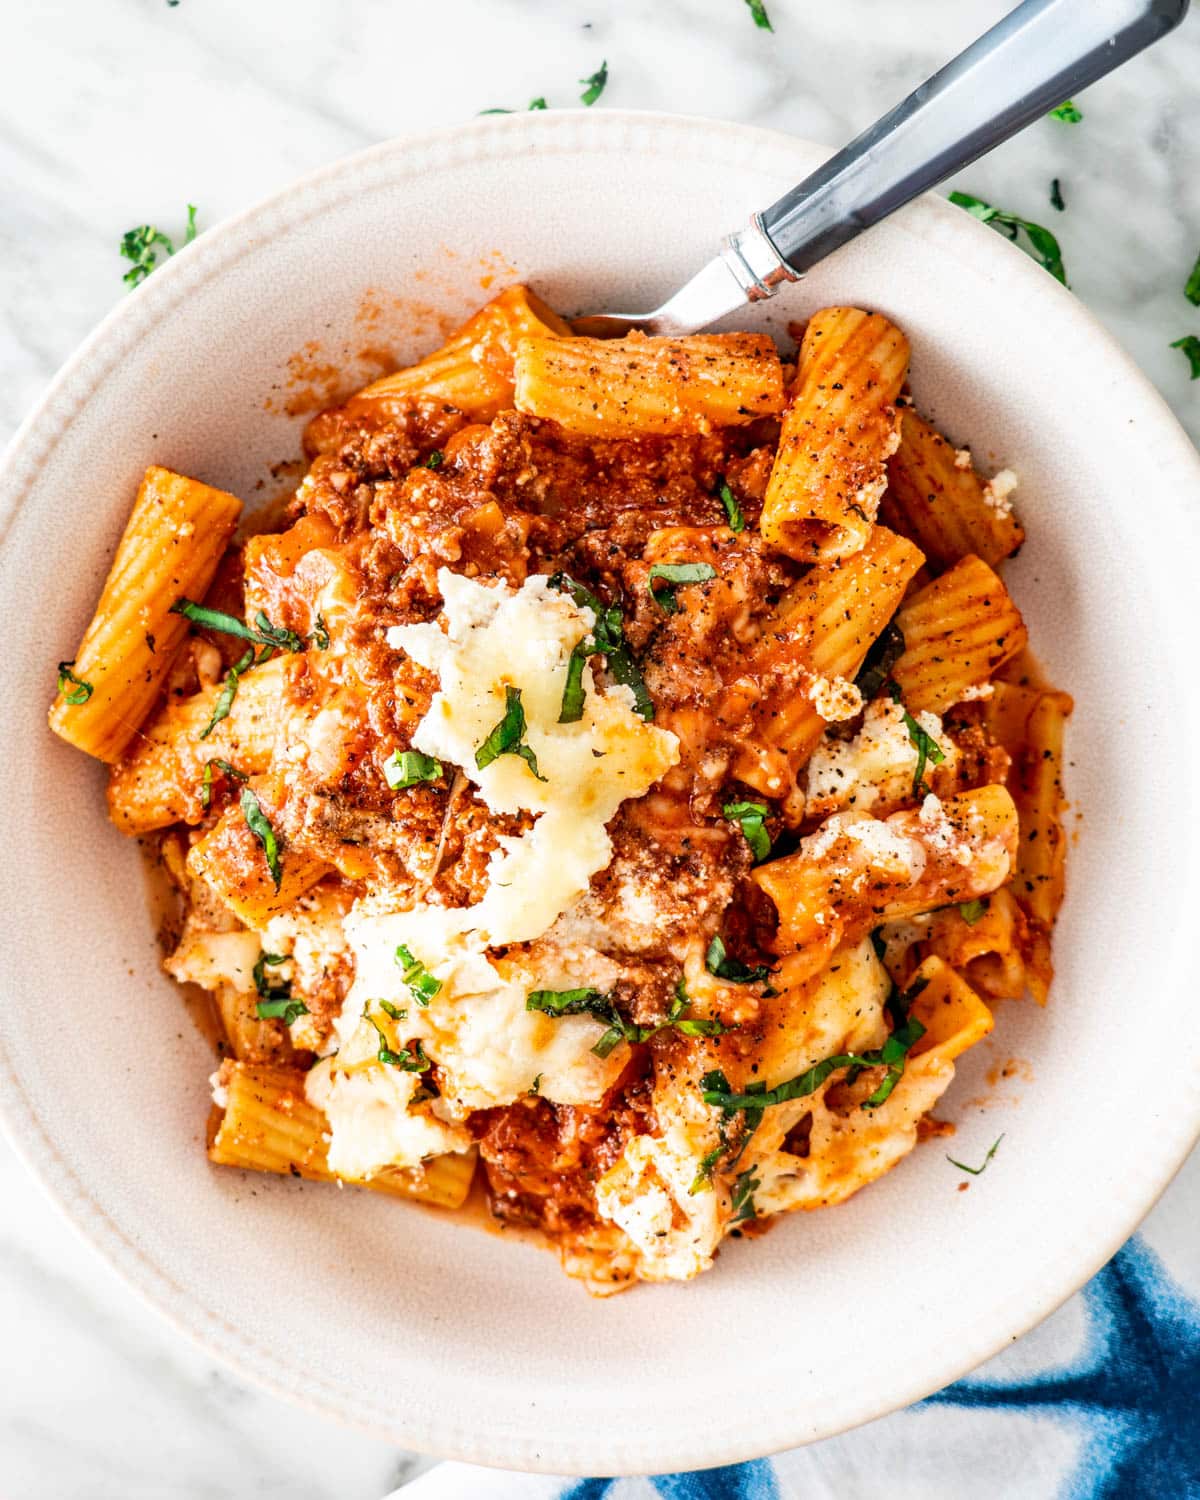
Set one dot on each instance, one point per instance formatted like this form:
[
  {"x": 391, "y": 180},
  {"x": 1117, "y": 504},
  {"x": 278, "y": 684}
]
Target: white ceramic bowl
[{"x": 462, "y": 1343}]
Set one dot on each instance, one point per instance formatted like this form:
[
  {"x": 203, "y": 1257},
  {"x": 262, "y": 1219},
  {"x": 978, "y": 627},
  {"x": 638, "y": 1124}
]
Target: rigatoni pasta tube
[
  {"x": 957, "y": 631},
  {"x": 161, "y": 782},
  {"x": 232, "y": 860},
  {"x": 935, "y": 496},
  {"x": 953, "y": 1015},
  {"x": 269, "y": 1126},
  {"x": 170, "y": 549},
  {"x": 473, "y": 369},
  {"x": 639, "y": 386},
  {"x": 827, "y": 623},
  {"x": 828, "y": 475}
]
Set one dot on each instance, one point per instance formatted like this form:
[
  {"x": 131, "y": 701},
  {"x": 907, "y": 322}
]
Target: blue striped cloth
[{"x": 1101, "y": 1402}]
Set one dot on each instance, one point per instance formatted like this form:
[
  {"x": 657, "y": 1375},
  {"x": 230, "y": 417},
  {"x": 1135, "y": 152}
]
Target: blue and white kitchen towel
[{"x": 1101, "y": 1402}]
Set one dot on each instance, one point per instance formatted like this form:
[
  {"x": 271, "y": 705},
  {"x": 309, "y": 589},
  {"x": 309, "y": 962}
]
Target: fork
[{"x": 1028, "y": 63}]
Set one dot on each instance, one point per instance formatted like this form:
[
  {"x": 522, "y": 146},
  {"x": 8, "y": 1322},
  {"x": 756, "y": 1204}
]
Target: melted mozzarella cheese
[{"x": 371, "y": 1123}]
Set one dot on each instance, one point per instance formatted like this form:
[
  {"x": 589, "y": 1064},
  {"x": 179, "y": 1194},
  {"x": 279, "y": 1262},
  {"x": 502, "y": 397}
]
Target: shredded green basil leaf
[
  {"x": 394, "y": 1011},
  {"x": 608, "y": 640},
  {"x": 976, "y": 1171},
  {"x": 320, "y": 634},
  {"x": 886, "y": 650},
  {"x": 1067, "y": 112},
  {"x": 971, "y": 911},
  {"x": 1191, "y": 289},
  {"x": 282, "y": 1009},
  {"x": 207, "y": 780},
  {"x": 1042, "y": 244},
  {"x": 535, "y": 1087},
  {"x": 718, "y": 962},
  {"x": 224, "y": 703},
  {"x": 742, "y": 1196},
  {"x": 1056, "y": 197},
  {"x": 593, "y": 85},
  {"x": 1190, "y": 345},
  {"x": 422, "y": 986},
  {"x": 752, "y": 816},
  {"x": 892, "y": 1055},
  {"x": 141, "y": 245},
  {"x": 758, "y": 11},
  {"x": 673, "y": 575},
  {"x": 260, "y": 826},
  {"x": 574, "y": 695},
  {"x": 407, "y": 768},
  {"x": 436, "y": 458},
  {"x": 263, "y": 985},
  {"x": 413, "y": 1061},
  {"x": 81, "y": 691},
  {"x": 262, "y": 632},
  {"x": 733, "y": 511},
  {"x": 928, "y": 749},
  {"x": 506, "y": 738},
  {"x": 602, "y": 1007}
]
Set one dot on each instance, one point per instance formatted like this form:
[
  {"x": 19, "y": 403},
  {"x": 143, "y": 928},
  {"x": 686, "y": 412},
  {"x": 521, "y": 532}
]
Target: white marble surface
[{"x": 114, "y": 112}]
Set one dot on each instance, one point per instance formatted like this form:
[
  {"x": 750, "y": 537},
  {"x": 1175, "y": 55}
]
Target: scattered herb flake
[
  {"x": 260, "y": 826},
  {"x": 262, "y": 632},
  {"x": 928, "y": 749},
  {"x": 224, "y": 703},
  {"x": 535, "y": 1088},
  {"x": 141, "y": 245},
  {"x": 1067, "y": 112},
  {"x": 675, "y": 574},
  {"x": 413, "y": 1061},
  {"x": 742, "y": 1196},
  {"x": 976, "y": 1171},
  {"x": 506, "y": 738},
  {"x": 594, "y": 85},
  {"x": 422, "y": 986},
  {"x": 407, "y": 768},
  {"x": 886, "y": 650},
  {"x": 608, "y": 640},
  {"x": 1191, "y": 288},
  {"x": 77, "y": 694},
  {"x": 759, "y": 12},
  {"x": 718, "y": 962},
  {"x": 1190, "y": 345},
  {"x": 733, "y": 511},
  {"x": 320, "y": 634},
  {"x": 752, "y": 817},
  {"x": 207, "y": 780},
  {"x": 1042, "y": 244},
  {"x": 1056, "y": 198},
  {"x": 971, "y": 911},
  {"x": 437, "y": 457},
  {"x": 282, "y": 1009}
]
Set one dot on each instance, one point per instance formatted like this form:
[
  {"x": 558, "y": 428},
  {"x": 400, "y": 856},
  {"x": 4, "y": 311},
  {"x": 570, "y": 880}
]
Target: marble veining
[{"x": 117, "y": 112}]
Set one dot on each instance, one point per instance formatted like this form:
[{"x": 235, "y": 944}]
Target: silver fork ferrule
[{"x": 757, "y": 267}]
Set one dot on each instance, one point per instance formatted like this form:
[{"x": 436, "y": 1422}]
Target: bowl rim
[{"x": 72, "y": 387}]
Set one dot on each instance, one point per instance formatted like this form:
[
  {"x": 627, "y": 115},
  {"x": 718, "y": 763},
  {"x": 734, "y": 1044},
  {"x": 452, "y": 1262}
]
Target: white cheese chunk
[{"x": 876, "y": 767}]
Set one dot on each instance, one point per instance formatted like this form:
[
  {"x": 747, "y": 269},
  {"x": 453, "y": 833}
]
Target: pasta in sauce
[{"x": 622, "y": 780}]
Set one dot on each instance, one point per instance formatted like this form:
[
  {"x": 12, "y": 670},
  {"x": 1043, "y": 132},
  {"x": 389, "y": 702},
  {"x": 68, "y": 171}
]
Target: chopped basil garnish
[
  {"x": 1056, "y": 197},
  {"x": 759, "y": 12},
  {"x": 506, "y": 738},
  {"x": 394, "y": 1011},
  {"x": 718, "y": 962},
  {"x": 436, "y": 458},
  {"x": 673, "y": 575},
  {"x": 574, "y": 695},
  {"x": 1067, "y": 112},
  {"x": 886, "y": 650},
  {"x": 538, "y": 103},
  {"x": 971, "y": 911},
  {"x": 1191, "y": 288},
  {"x": 263, "y": 985},
  {"x": 742, "y": 1196},
  {"x": 141, "y": 245},
  {"x": 928, "y": 749},
  {"x": 224, "y": 703},
  {"x": 733, "y": 511},
  {"x": 892, "y": 1055},
  {"x": 593, "y": 85},
  {"x": 535, "y": 1087},
  {"x": 263, "y": 633},
  {"x": 81, "y": 691},
  {"x": 1190, "y": 345},
  {"x": 282, "y": 1009},
  {"x": 260, "y": 826},
  {"x": 1042, "y": 244},
  {"x": 607, "y": 640},
  {"x": 320, "y": 634},
  {"x": 752, "y": 817},
  {"x": 407, "y": 768},
  {"x": 409, "y": 1061},
  {"x": 422, "y": 986},
  {"x": 976, "y": 1171},
  {"x": 207, "y": 781},
  {"x": 603, "y": 1008}
]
